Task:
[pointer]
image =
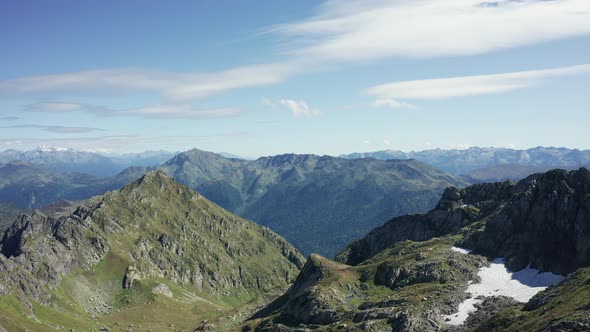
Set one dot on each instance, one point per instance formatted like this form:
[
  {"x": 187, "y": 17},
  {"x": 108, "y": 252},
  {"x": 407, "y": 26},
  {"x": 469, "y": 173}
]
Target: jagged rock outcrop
[
  {"x": 162, "y": 289},
  {"x": 456, "y": 209},
  {"x": 114, "y": 250},
  {"x": 44, "y": 249},
  {"x": 546, "y": 224},
  {"x": 406, "y": 277},
  {"x": 374, "y": 296},
  {"x": 506, "y": 219},
  {"x": 130, "y": 276}
]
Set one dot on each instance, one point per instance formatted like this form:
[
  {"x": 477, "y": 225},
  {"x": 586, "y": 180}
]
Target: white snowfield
[
  {"x": 497, "y": 280},
  {"x": 461, "y": 250}
]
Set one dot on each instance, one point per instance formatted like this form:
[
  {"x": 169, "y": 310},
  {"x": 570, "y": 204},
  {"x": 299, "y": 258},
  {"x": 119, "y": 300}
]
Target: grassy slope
[
  {"x": 86, "y": 300},
  {"x": 342, "y": 288}
]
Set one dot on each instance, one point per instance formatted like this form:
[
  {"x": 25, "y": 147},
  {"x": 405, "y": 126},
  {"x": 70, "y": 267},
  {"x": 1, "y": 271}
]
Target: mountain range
[
  {"x": 156, "y": 255},
  {"x": 490, "y": 164},
  {"x": 29, "y": 186},
  {"x": 319, "y": 203},
  {"x": 69, "y": 160},
  {"x": 411, "y": 274}
]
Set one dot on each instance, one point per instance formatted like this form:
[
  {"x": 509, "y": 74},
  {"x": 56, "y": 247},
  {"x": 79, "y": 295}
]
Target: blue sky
[{"x": 267, "y": 77}]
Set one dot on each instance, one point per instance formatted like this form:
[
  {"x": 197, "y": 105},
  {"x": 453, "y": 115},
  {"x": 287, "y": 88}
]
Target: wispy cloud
[
  {"x": 353, "y": 30},
  {"x": 182, "y": 111},
  {"x": 9, "y": 118},
  {"x": 58, "y": 129},
  {"x": 391, "y": 103},
  {"x": 170, "y": 85},
  {"x": 440, "y": 88},
  {"x": 339, "y": 31},
  {"x": 298, "y": 108},
  {"x": 154, "y": 111}
]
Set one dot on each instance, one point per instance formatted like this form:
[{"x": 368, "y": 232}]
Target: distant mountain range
[
  {"x": 490, "y": 164},
  {"x": 318, "y": 203},
  {"x": 69, "y": 160},
  {"x": 28, "y": 186},
  {"x": 157, "y": 255}
]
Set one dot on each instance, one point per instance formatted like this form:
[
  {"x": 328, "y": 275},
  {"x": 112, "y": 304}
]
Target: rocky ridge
[
  {"x": 403, "y": 276},
  {"x": 134, "y": 247}
]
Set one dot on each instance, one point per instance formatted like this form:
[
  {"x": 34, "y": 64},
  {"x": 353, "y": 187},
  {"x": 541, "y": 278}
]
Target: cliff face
[
  {"x": 543, "y": 220},
  {"x": 404, "y": 275},
  {"x": 456, "y": 209},
  {"x": 545, "y": 224}
]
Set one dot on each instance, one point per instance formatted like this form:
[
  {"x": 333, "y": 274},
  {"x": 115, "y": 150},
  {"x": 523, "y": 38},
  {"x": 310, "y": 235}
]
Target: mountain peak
[{"x": 152, "y": 180}]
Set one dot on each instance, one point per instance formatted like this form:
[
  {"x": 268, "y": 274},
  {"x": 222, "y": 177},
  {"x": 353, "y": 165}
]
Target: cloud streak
[
  {"x": 170, "y": 85},
  {"x": 360, "y": 30},
  {"x": 442, "y": 88},
  {"x": 340, "y": 31},
  {"x": 154, "y": 111},
  {"x": 58, "y": 129}
]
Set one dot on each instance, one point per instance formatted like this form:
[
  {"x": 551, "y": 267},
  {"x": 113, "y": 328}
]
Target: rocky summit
[
  {"x": 412, "y": 273},
  {"x": 154, "y": 255}
]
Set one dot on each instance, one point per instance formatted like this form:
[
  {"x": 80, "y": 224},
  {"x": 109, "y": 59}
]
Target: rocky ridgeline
[
  {"x": 403, "y": 276},
  {"x": 545, "y": 223},
  {"x": 37, "y": 251},
  {"x": 158, "y": 230}
]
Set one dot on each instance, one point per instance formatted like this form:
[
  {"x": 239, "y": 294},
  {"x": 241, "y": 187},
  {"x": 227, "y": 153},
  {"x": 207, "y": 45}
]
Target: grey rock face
[
  {"x": 543, "y": 221},
  {"x": 546, "y": 224},
  {"x": 162, "y": 289},
  {"x": 43, "y": 249},
  {"x": 130, "y": 276}
]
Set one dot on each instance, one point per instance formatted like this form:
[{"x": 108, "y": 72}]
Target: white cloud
[
  {"x": 392, "y": 103},
  {"x": 387, "y": 142},
  {"x": 353, "y": 30},
  {"x": 299, "y": 108},
  {"x": 440, "y": 88},
  {"x": 156, "y": 111},
  {"x": 340, "y": 31},
  {"x": 172, "y": 86}
]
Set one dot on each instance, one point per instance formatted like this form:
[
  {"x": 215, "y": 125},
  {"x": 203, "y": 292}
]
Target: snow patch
[
  {"x": 497, "y": 280},
  {"x": 50, "y": 148},
  {"x": 461, "y": 250}
]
